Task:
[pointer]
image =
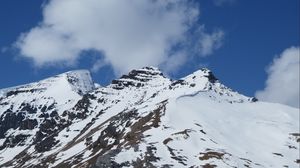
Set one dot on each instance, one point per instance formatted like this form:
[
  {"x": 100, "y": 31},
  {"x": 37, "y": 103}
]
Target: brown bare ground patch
[
  {"x": 108, "y": 129},
  {"x": 209, "y": 154},
  {"x": 142, "y": 125}
]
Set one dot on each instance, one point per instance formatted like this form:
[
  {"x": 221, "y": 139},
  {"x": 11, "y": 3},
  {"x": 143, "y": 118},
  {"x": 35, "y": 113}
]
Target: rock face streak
[{"x": 143, "y": 119}]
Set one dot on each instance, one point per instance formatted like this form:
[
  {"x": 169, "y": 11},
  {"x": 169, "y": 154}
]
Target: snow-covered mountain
[{"x": 143, "y": 119}]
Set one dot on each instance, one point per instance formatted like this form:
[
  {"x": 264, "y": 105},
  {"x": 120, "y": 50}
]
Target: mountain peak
[
  {"x": 149, "y": 70},
  {"x": 78, "y": 72},
  {"x": 202, "y": 73},
  {"x": 209, "y": 74},
  {"x": 60, "y": 89},
  {"x": 152, "y": 122},
  {"x": 137, "y": 77},
  {"x": 80, "y": 80}
]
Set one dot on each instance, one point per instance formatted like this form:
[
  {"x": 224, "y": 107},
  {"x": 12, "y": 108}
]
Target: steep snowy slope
[
  {"x": 28, "y": 109},
  {"x": 144, "y": 119}
]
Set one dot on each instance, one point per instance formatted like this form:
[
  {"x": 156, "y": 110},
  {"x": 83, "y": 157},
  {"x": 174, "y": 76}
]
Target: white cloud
[
  {"x": 282, "y": 85},
  {"x": 175, "y": 61},
  {"x": 209, "y": 42},
  {"x": 130, "y": 33},
  {"x": 45, "y": 45},
  {"x": 98, "y": 65}
]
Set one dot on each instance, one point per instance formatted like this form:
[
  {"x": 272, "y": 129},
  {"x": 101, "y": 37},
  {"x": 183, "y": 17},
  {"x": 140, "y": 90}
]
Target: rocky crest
[{"x": 143, "y": 119}]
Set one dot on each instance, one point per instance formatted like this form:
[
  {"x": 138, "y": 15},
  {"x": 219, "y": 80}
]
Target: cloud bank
[
  {"x": 282, "y": 85},
  {"x": 129, "y": 34}
]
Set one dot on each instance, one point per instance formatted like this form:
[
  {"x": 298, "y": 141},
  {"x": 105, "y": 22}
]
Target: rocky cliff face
[{"x": 143, "y": 119}]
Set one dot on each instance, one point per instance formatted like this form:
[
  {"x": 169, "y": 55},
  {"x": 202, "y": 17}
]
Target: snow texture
[{"x": 143, "y": 119}]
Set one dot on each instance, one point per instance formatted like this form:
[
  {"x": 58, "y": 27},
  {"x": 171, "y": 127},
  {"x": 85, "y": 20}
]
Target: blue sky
[{"x": 252, "y": 34}]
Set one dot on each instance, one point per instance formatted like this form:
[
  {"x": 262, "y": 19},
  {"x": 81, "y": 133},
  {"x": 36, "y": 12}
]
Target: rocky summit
[{"x": 143, "y": 119}]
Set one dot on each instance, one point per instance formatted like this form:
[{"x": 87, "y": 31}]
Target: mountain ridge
[{"x": 143, "y": 119}]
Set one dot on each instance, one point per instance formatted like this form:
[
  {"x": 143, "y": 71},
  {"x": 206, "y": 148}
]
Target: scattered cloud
[
  {"x": 130, "y": 34},
  {"x": 45, "y": 45},
  {"x": 98, "y": 65},
  {"x": 175, "y": 61},
  {"x": 200, "y": 43},
  {"x": 282, "y": 85},
  {"x": 208, "y": 43}
]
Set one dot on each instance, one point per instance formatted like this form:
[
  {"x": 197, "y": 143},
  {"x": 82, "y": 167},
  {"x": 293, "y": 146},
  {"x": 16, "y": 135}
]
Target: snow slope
[
  {"x": 26, "y": 108},
  {"x": 144, "y": 119}
]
